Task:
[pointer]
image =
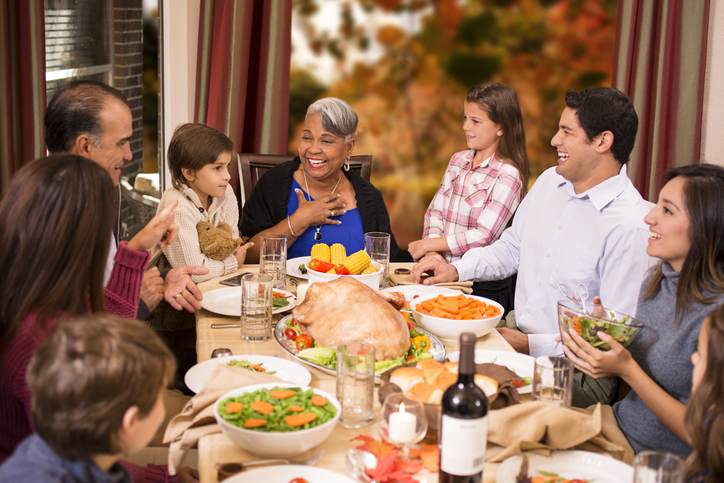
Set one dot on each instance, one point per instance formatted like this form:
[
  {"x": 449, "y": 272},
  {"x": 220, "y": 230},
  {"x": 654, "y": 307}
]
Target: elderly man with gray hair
[{"x": 315, "y": 198}]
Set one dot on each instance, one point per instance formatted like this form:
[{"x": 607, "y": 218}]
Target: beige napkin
[
  {"x": 542, "y": 427},
  {"x": 196, "y": 419},
  {"x": 408, "y": 279}
]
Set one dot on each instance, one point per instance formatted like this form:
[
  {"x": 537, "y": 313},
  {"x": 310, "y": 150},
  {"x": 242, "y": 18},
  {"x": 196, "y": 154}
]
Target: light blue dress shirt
[{"x": 562, "y": 243}]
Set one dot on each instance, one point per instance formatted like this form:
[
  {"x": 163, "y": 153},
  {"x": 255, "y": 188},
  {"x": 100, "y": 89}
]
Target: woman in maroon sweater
[{"x": 54, "y": 224}]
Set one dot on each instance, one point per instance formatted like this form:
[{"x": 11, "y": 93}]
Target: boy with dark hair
[{"x": 97, "y": 385}]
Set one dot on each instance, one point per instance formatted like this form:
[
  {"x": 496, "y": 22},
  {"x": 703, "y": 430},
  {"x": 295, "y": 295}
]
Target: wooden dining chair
[{"x": 253, "y": 167}]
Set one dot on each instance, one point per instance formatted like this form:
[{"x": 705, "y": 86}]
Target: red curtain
[
  {"x": 660, "y": 65},
  {"x": 242, "y": 85},
  {"x": 22, "y": 85}
]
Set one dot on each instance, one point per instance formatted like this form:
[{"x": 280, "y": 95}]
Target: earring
[
  {"x": 500, "y": 133},
  {"x": 346, "y": 164}
]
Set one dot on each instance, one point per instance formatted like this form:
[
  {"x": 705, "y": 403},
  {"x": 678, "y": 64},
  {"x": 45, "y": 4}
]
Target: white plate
[
  {"x": 285, "y": 473},
  {"x": 293, "y": 267},
  {"x": 521, "y": 364},
  {"x": 227, "y": 301},
  {"x": 288, "y": 371},
  {"x": 418, "y": 290},
  {"x": 596, "y": 467}
]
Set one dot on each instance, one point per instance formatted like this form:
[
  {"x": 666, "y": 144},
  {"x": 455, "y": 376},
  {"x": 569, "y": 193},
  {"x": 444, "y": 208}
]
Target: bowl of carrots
[
  {"x": 277, "y": 419},
  {"x": 448, "y": 316}
]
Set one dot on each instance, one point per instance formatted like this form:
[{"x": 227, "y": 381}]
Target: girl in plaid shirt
[{"x": 484, "y": 184}]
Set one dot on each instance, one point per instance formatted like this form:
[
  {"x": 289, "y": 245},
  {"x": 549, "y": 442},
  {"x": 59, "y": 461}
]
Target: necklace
[{"x": 318, "y": 228}]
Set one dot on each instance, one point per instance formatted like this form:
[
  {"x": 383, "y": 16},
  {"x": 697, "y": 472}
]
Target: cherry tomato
[
  {"x": 517, "y": 383},
  {"x": 341, "y": 270},
  {"x": 303, "y": 341},
  {"x": 289, "y": 333},
  {"x": 298, "y": 480},
  {"x": 293, "y": 322}
]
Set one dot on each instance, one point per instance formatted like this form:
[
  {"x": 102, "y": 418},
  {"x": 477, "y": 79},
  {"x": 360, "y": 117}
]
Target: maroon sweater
[{"x": 121, "y": 297}]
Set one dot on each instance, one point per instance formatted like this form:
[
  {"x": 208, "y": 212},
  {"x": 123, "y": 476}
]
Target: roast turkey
[{"x": 344, "y": 311}]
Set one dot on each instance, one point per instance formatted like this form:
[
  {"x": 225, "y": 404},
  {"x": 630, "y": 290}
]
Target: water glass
[
  {"x": 377, "y": 246},
  {"x": 403, "y": 421},
  {"x": 273, "y": 259},
  {"x": 256, "y": 306},
  {"x": 655, "y": 467},
  {"x": 553, "y": 380},
  {"x": 356, "y": 383}
]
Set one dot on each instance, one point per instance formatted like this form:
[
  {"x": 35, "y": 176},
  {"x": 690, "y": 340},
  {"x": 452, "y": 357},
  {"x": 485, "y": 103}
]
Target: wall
[{"x": 712, "y": 144}]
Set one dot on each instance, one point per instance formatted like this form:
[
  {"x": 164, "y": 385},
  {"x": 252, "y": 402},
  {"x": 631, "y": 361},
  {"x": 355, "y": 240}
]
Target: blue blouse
[{"x": 350, "y": 233}]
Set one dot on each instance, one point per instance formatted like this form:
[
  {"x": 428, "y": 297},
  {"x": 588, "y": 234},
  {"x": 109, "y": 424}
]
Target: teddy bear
[{"x": 216, "y": 242}]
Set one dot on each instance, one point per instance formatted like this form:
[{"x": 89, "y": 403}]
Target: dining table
[{"x": 217, "y": 448}]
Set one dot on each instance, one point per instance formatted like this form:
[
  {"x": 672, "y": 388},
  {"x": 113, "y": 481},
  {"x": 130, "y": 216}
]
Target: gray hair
[{"x": 337, "y": 116}]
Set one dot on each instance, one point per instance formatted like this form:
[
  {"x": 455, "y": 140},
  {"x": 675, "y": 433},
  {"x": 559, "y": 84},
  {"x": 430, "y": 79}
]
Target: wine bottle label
[{"x": 462, "y": 445}]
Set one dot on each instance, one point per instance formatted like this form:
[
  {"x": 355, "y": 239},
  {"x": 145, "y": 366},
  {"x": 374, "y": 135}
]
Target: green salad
[
  {"x": 620, "y": 328},
  {"x": 244, "y": 364},
  {"x": 279, "y": 409}
]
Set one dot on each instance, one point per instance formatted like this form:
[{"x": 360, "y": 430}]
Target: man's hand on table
[
  {"x": 516, "y": 338},
  {"x": 181, "y": 291},
  {"x": 152, "y": 288},
  {"x": 440, "y": 269}
]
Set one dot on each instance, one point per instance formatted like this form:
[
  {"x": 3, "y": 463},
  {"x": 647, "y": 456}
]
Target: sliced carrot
[
  {"x": 254, "y": 423},
  {"x": 234, "y": 407},
  {"x": 300, "y": 419},
  {"x": 319, "y": 401},
  {"x": 282, "y": 393},
  {"x": 262, "y": 407},
  {"x": 295, "y": 409}
]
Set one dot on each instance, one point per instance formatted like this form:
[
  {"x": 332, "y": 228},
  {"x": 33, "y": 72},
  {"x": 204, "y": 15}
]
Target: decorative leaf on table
[
  {"x": 391, "y": 468},
  {"x": 377, "y": 447},
  {"x": 429, "y": 454}
]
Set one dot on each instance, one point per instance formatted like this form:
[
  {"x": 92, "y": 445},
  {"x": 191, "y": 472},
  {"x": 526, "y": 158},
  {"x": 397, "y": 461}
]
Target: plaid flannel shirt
[{"x": 472, "y": 207}]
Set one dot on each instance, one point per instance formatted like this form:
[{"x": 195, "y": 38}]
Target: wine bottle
[{"x": 464, "y": 422}]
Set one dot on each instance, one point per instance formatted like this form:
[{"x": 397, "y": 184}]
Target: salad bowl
[{"x": 618, "y": 325}]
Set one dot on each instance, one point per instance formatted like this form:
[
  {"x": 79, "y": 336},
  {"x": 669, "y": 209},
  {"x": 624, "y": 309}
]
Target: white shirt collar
[{"x": 603, "y": 193}]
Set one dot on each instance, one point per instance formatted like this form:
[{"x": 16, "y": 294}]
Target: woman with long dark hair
[
  {"x": 55, "y": 221},
  {"x": 687, "y": 235}
]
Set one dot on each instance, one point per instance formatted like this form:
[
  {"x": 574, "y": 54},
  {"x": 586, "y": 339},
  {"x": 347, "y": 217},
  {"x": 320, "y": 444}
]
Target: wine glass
[{"x": 403, "y": 421}]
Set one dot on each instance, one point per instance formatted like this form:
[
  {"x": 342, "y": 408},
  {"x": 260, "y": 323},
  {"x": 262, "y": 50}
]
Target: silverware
[{"x": 225, "y": 326}]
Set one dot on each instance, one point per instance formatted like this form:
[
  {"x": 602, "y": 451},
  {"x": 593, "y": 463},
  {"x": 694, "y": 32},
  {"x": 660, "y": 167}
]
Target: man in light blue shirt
[{"x": 579, "y": 232}]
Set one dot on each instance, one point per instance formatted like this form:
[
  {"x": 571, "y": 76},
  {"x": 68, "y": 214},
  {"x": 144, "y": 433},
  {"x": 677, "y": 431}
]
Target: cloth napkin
[
  {"x": 408, "y": 279},
  {"x": 542, "y": 427},
  {"x": 196, "y": 419}
]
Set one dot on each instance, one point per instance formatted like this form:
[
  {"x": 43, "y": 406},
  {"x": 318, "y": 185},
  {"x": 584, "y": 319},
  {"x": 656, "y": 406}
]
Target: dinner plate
[
  {"x": 293, "y": 267},
  {"x": 288, "y": 371},
  {"x": 227, "y": 301},
  {"x": 437, "y": 349},
  {"x": 418, "y": 290},
  {"x": 286, "y": 473},
  {"x": 596, "y": 467},
  {"x": 521, "y": 364}
]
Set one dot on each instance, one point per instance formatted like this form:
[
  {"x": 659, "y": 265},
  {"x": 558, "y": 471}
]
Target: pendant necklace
[{"x": 318, "y": 228}]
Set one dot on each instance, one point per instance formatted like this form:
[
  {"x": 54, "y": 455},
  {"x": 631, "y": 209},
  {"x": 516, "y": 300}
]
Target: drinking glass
[
  {"x": 656, "y": 467},
  {"x": 404, "y": 421},
  {"x": 273, "y": 259},
  {"x": 553, "y": 380},
  {"x": 377, "y": 246},
  {"x": 356, "y": 383},
  {"x": 256, "y": 306}
]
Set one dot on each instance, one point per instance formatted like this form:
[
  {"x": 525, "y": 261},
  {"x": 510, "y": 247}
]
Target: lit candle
[
  {"x": 402, "y": 427},
  {"x": 302, "y": 292}
]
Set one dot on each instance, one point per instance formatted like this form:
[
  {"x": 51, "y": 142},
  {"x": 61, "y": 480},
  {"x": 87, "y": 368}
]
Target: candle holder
[{"x": 403, "y": 422}]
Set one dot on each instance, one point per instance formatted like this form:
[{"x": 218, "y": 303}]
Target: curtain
[
  {"x": 22, "y": 85},
  {"x": 242, "y": 85},
  {"x": 660, "y": 64}
]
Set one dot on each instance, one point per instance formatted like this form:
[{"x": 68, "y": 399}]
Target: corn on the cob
[
  {"x": 357, "y": 262},
  {"x": 369, "y": 269},
  {"x": 320, "y": 251},
  {"x": 338, "y": 254}
]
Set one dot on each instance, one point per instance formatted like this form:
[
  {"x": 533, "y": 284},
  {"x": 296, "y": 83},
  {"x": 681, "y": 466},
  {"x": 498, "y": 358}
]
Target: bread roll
[
  {"x": 406, "y": 377},
  {"x": 445, "y": 380},
  {"x": 421, "y": 392},
  {"x": 487, "y": 384},
  {"x": 431, "y": 370}
]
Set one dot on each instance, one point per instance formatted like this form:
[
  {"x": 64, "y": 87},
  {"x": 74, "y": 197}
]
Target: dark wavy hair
[
  {"x": 705, "y": 412},
  {"x": 703, "y": 269},
  {"x": 602, "y": 109},
  {"x": 501, "y": 105},
  {"x": 74, "y": 110},
  {"x": 55, "y": 228},
  {"x": 87, "y": 374}
]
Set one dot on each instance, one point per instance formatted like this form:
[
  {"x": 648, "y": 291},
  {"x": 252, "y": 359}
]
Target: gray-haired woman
[{"x": 314, "y": 198}]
